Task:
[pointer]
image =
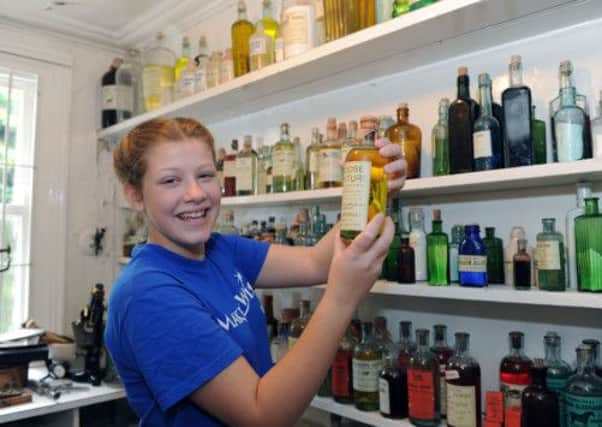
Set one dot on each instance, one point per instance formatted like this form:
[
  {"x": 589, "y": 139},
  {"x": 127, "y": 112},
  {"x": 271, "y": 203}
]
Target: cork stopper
[
  {"x": 353, "y": 123},
  {"x": 462, "y": 71},
  {"x": 234, "y": 144},
  {"x": 368, "y": 122},
  {"x": 516, "y": 59},
  {"x": 117, "y": 62},
  {"x": 331, "y": 123},
  {"x": 436, "y": 214},
  {"x": 403, "y": 105}
]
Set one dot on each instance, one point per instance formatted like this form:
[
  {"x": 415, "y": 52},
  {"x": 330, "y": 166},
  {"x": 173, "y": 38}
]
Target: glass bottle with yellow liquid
[
  {"x": 367, "y": 13},
  {"x": 340, "y": 18},
  {"x": 284, "y": 158},
  {"x": 411, "y": 144},
  {"x": 241, "y": 32},
  {"x": 270, "y": 25},
  {"x": 312, "y": 160},
  {"x": 330, "y": 173},
  {"x": 261, "y": 49},
  {"x": 182, "y": 61},
  {"x": 364, "y": 188},
  {"x": 158, "y": 75}
]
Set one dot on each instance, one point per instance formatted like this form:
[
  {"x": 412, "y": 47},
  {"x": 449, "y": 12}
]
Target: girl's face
[{"x": 180, "y": 196}]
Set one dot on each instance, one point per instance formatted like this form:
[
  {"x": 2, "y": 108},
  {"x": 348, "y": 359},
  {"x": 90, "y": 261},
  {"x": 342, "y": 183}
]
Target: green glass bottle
[
  {"x": 400, "y": 7},
  {"x": 551, "y": 272},
  {"x": 417, "y": 4},
  {"x": 284, "y": 160},
  {"x": 558, "y": 372},
  {"x": 440, "y": 141},
  {"x": 495, "y": 256},
  {"x": 437, "y": 253},
  {"x": 588, "y": 243},
  {"x": 367, "y": 364},
  {"x": 390, "y": 269},
  {"x": 539, "y": 139},
  {"x": 583, "y": 393}
]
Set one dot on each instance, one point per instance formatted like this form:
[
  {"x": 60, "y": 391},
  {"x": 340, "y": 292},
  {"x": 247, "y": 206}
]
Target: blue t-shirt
[{"x": 175, "y": 323}]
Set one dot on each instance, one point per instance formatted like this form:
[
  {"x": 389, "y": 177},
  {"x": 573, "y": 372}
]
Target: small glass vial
[
  {"x": 522, "y": 267},
  {"x": 423, "y": 384},
  {"x": 406, "y": 262},
  {"x": 472, "y": 259},
  {"x": 393, "y": 390}
]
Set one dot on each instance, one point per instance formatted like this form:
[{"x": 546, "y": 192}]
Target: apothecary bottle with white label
[
  {"x": 472, "y": 258},
  {"x": 367, "y": 364},
  {"x": 284, "y": 157},
  {"x": 550, "y": 257},
  {"x": 330, "y": 173},
  {"x": 583, "y": 394},
  {"x": 246, "y": 169},
  {"x": 463, "y": 381},
  {"x": 298, "y": 26},
  {"x": 487, "y": 136},
  {"x": 261, "y": 49}
]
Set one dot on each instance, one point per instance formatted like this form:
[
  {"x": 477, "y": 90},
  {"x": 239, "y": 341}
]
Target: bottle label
[
  {"x": 329, "y": 166},
  {"x": 365, "y": 375},
  {"x": 117, "y": 97},
  {"x": 229, "y": 168},
  {"x": 482, "y": 144},
  {"x": 356, "y": 195},
  {"x": 569, "y": 139},
  {"x": 421, "y": 394},
  {"x": 461, "y": 405},
  {"x": 313, "y": 161},
  {"x": 548, "y": 255},
  {"x": 279, "y": 50},
  {"x": 296, "y": 23},
  {"x": 452, "y": 375},
  {"x": 512, "y": 394},
  {"x": 226, "y": 71},
  {"x": 583, "y": 410},
  {"x": 472, "y": 263},
  {"x": 186, "y": 84},
  {"x": 341, "y": 375},
  {"x": 384, "y": 396},
  {"x": 283, "y": 163},
  {"x": 200, "y": 79},
  {"x": 244, "y": 174},
  {"x": 258, "y": 46}
]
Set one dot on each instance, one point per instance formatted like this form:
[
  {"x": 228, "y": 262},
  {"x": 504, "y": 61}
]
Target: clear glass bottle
[
  {"x": 407, "y": 262},
  {"x": 391, "y": 268},
  {"x": 411, "y": 144},
  {"x": 312, "y": 160},
  {"x": 214, "y": 69},
  {"x": 393, "y": 390},
  {"x": 200, "y": 75},
  {"x": 227, "y": 224},
  {"x": 219, "y": 166},
  {"x": 264, "y": 167},
  {"x": 437, "y": 253},
  {"x": 183, "y": 60},
  {"x": 462, "y": 114},
  {"x": 515, "y": 371},
  {"x": 488, "y": 152},
  {"x": 423, "y": 384},
  {"x": 495, "y": 256},
  {"x": 457, "y": 234},
  {"x": 539, "y": 404},
  {"x": 279, "y": 344},
  {"x": 241, "y": 32},
  {"x": 569, "y": 123},
  {"x": 588, "y": 247},
  {"x": 202, "y": 50},
  {"x": 400, "y": 7},
  {"x": 472, "y": 258},
  {"x": 158, "y": 75},
  {"x": 351, "y": 140},
  {"x": 558, "y": 372},
  {"x": 298, "y": 26},
  {"x": 367, "y": 13},
  {"x": 365, "y": 187},
  {"x": 522, "y": 267},
  {"x": 583, "y": 393},
  {"x": 130, "y": 74},
  {"x": 261, "y": 50},
  {"x": 550, "y": 258},
  {"x": 298, "y": 325},
  {"x": 440, "y": 141},
  {"x": 186, "y": 83},
  {"x": 330, "y": 173},
  {"x": 367, "y": 364},
  {"x": 540, "y": 149},
  {"x": 597, "y": 132},
  {"x": 463, "y": 386},
  {"x": 418, "y": 243},
  {"x": 384, "y": 10},
  {"x": 284, "y": 157},
  {"x": 246, "y": 169},
  {"x": 512, "y": 248},
  {"x": 226, "y": 70},
  {"x": 382, "y": 336},
  {"x": 230, "y": 170},
  {"x": 443, "y": 353},
  {"x": 299, "y": 183},
  {"x": 270, "y": 25}
]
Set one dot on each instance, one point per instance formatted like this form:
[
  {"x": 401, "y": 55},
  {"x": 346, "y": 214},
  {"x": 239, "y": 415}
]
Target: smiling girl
[{"x": 185, "y": 329}]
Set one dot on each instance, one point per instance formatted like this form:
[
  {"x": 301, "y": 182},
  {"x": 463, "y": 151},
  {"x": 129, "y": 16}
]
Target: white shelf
[
  {"x": 548, "y": 175},
  {"x": 443, "y": 30},
  {"x": 372, "y": 418}
]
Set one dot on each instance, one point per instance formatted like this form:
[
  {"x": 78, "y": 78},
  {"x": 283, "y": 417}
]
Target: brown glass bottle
[
  {"x": 407, "y": 268},
  {"x": 409, "y": 137},
  {"x": 230, "y": 170},
  {"x": 522, "y": 266},
  {"x": 539, "y": 405},
  {"x": 393, "y": 389},
  {"x": 462, "y": 114},
  {"x": 341, "y": 369},
  {"x": 515, "y": 371},
  {"x": 463, "y": 382},
  {"x": 443, "y": 353},
  {"x": 423, "y": 384}
]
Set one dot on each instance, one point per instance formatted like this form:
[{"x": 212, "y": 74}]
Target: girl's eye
[
  {"x": 170, "y": 180},
  {"x": 206, "y": 176}
]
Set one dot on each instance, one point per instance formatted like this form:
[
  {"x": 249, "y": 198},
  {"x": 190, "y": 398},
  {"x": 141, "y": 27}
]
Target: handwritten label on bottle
[
  {"x": 569, "y": 138},
  {"x": 296, "y": 22},
  {"x": 283, "y": 162},
  {"x": 421, "y": 394},
  {"x": 472, "y": 263},
  {"x": 329, "y": 168},
  {"x": 461, "y": 405},
  {"x": 548, "y": 255},
  {"x": 244, "y": 174},
  {"x": 313, "y": 161},
  {"x": 356, "y": 195},
  {"x": 482, "y": 144},
  {"x": 365, "y": 375}
]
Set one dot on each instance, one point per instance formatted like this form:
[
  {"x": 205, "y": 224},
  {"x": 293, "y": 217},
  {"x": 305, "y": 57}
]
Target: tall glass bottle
[
  {"x": 391, "y": 267},
  {"x": 367, "y": 364},
  {"x": 219, "y": 166},
  {"x": 597, "y": 132},
  {"x": 550, "y": 259},
  {"x": 246, "y": 169},
  {"x": 583, "y": 393},
  {"x": 111, "y": 94},
  {"x": 382, "y": 336},
  {"x": 443, "y": 353},
  {"x": 588, "y": 247},
  {"x": 462, "y": 114},
  {"x": 365, "y": 187},
  {"x": 509, "y": 251},
  {"x": 230, "y": 170},
  {"x": 558, "y": 372},
  {"x": 495, "y": 256},
  {"x": 241, "y": 32},
  {"x": 418, "y": 242},
  {"x": 393, "y": 390},
  {"x": 540, "y": 149},
  {"x": 457, "y": 234},
  {"x": 463, "y": 386},
  {"x": 384, "y": 10},
  {"x": 202, "y": 50},
  {"x": 264, "y": 167},
  {"x": 298, "y": 325},
  {"x": 298, "y": 26},
  {"x": 423, "y": 384},
  {"x": 407, "y": 262},
  {"x": 226, "y": 70},
  {"x": 595, "y": 345},
  {"x": 330, "y": 173},
  {"x": 261, "y": 50},
  {"x": 351, "y": 140},
  {"x": 515, "y": 371},
  {"x": 411, "y": 145},
  {"x": 440, "y": 141},
  {"x": 406, "y": 346},
  {"x": 284, "y": 157},
  {"x": 299, "y": 183},
  {"x": 539, "y": 404},
  {"x": 367, "y": 13},
  {"x": 183, "y": 60},
  {"x": 472, "y": 258},
  {"x": 279, "y": 344},
  {"x": 400, "y": 7},
  {"x": 214, "y": 68},
  {"x": 312, "y": 160},
  {"x": 487, "y": 138},
  {"x": 338, "y": 18},
  {"x": 516, "y": 101},
  {"x": 129, "y": 74},
  {"x": 569, "y": 124},
  {"x": 522, "y": 267},
  {"x": 584, "y": 190},
  {"x": 270, "y": 25},
  {"x": 158, "y": 75},
  {"x": 437, "y": 249}
]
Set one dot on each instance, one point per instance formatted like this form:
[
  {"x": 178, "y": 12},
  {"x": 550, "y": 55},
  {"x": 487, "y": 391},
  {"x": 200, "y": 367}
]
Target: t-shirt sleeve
[
  {"x": 177, "y": 344},
  {"x": 249, "y": 255}
]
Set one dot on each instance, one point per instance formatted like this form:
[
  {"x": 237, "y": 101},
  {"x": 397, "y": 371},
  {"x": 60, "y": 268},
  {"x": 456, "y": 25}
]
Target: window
[{"x": 18, "y": 99}]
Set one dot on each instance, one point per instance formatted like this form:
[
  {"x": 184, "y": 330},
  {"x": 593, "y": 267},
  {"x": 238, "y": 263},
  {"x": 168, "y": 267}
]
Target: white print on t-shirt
[{"x": 244, "y": 297}]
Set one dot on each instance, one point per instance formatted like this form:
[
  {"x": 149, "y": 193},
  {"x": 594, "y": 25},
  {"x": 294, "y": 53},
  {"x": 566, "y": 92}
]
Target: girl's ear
[{"x": 133, "y": 197}]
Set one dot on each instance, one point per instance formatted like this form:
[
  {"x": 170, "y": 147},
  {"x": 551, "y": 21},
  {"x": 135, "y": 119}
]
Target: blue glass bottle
[{"x": 472, "y": 259}]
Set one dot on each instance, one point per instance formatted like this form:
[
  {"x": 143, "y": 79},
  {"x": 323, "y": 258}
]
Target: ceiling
[{"x": 120, "y": 23}]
